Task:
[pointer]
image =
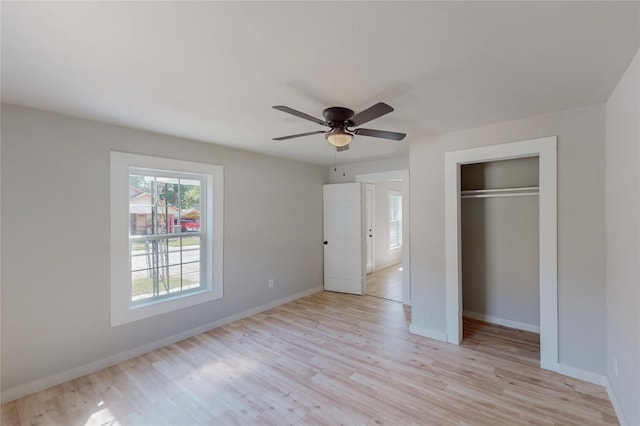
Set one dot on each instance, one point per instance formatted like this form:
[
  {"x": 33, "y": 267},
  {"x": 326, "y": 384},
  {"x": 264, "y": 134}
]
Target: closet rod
[{"x": 504, "y": 192}]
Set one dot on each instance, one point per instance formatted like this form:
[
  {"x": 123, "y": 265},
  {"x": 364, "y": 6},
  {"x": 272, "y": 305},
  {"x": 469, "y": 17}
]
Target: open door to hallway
[{"x": 343, "y": 243}]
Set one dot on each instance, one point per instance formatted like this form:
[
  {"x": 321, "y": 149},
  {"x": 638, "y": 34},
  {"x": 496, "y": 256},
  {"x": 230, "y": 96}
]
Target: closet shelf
[{"x": 504, "y": 192}]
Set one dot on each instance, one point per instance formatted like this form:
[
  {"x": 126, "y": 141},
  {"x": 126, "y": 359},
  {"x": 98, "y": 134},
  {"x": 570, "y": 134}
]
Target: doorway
[
  {"x": 545, "y": 149},
  {"x": 388, "y": 277}
]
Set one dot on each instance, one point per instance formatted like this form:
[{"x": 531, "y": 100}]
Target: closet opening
[
  {"x": 545, "y": 150},
  {"x": 499, "y": 233}
]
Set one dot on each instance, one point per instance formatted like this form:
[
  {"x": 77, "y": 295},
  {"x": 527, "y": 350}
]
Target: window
[
  {"x": 394, "y": 202},
  {"x": 166, "y": 235},
  {"x": 161, "y": 206}
]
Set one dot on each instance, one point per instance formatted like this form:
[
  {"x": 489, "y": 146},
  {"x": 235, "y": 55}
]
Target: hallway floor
[{"x": 386, "y": 283}]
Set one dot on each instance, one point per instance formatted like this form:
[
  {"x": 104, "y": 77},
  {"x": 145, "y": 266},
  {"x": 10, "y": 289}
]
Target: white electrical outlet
[
  {"x": 271, "y": 282},
  {"x": 615, "y": 366}
]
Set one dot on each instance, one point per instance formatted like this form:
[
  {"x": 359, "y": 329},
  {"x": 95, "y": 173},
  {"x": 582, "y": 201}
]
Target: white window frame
[
  {"x": 392, "y": 193},
  {"x": 123, "y": 310}
]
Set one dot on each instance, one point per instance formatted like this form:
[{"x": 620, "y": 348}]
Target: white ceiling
[{"x": 211, "y": 71}]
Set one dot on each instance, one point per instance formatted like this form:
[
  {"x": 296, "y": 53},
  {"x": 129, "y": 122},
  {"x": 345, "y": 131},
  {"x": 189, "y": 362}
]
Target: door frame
[
  {"x": 545, "y": 149},
  {"x": 406, "y": 222},
  {"x": 370, "y": 205}
]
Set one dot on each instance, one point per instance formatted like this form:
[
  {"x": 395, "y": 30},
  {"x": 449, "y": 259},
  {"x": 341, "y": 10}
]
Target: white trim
[
  {"x": 502, "y": 321},
  {"x": 389, "y": 265},
  {"x": 406, "y": 222},
  {"x": 56, "y": 379},
  {"x": 425, "y": 332},
  {"x": 596, "y": 379},
  {"x": 371, "y": 188},
  {"x": 578, "y": 373},
  {"x": 616, "y": 405},
  {"x": 545, "y": 149},
  {"x": 122, "y": 311}
]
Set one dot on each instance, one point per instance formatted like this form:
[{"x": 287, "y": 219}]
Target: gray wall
[
  {"x": 55, "y": 239},
  {"x": 500, "y": 267},
  {"x": 517, "y": 173},
  {"x": 623, "y": 241},
  {"x": 581, "y": 232},
  {"x": 344, "y": 173}
]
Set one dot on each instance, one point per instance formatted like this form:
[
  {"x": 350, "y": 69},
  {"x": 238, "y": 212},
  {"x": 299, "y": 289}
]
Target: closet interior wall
[{"x": 500, "y": 242}]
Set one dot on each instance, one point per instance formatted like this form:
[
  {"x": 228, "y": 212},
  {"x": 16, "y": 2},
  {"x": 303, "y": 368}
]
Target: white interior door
[
  {"x": 369, "y": 209},
  {"x": 343, "y": 242}
]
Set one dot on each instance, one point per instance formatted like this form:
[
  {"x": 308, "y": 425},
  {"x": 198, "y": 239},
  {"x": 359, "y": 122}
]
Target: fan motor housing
[{"x": 337, "y": 115}]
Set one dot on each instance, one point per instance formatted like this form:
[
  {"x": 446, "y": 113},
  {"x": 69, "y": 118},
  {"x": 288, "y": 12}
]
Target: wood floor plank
[
  {"x": 328, "y": 358},
  {"x": 385, "y": 283}
]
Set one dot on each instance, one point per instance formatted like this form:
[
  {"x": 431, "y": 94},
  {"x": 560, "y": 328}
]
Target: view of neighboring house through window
[
  {"x": 395, "y": 219},
  {"x": 165, "y": 233}
]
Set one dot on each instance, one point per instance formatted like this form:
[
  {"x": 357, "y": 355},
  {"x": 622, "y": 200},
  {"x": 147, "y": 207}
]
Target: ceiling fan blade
[
  {"x": 299, "y": 114},
  {"x": 342, "y": 148},
  {"x": 298, "y": 135},
  {"x": 380, "y": 134},
  {"x": 371, "y": 113}
]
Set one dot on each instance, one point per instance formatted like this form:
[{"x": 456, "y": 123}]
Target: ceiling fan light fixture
[
  {"x": 339, "y": 119},
  {"x": 339, "y": 137}
]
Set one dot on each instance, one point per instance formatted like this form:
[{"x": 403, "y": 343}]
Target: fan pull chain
[{"x": 335, "y": 163}]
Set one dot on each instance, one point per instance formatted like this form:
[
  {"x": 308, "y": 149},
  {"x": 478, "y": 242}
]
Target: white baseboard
[
  {"x": 65, "y": 376},
  {"x": 597, "y": 379},
  {"x": 387, "y": 265},
  {"x": 616, "y": 405},
  {"x": 425, "y": 332},
  {"x": 587, "y": 376},
  {"x": 501, "y": 321}
]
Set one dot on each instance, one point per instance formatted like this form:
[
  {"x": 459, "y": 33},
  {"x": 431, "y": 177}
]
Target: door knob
[{"x": 326, "y": 242}]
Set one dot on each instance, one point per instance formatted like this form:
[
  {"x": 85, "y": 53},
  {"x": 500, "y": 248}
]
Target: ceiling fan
[{"x": 340, "y": 120}]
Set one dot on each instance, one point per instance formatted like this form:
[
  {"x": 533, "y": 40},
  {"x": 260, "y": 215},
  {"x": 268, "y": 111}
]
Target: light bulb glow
[{"x": 339, "y": 137}]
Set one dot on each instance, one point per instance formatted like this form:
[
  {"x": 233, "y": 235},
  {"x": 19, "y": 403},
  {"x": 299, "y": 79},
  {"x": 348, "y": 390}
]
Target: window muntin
[{"x": 395, "y": 219}]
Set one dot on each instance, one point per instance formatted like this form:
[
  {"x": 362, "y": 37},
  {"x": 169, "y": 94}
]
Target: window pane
[
  {"x": 158, "y": 197},
  {"x": 395, "y": 220},
  {"x": 175, "y": 278},
  {"x": 163, "y": 266},
  {"x": 191, "y": 262},
  {"x": 190, "y": 249},
  {"x": 190, "y": 207},
  {"x": 139, "y": 205},
  {"x": 191, "y": 279},
  {"x": 393, "y": 234},
  {"x": 163, "y": 205}
]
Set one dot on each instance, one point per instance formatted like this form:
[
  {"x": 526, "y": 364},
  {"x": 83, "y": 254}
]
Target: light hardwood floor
[
  {"x": 325, "y": 359},
  {"x": 386, "y": 283}
]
